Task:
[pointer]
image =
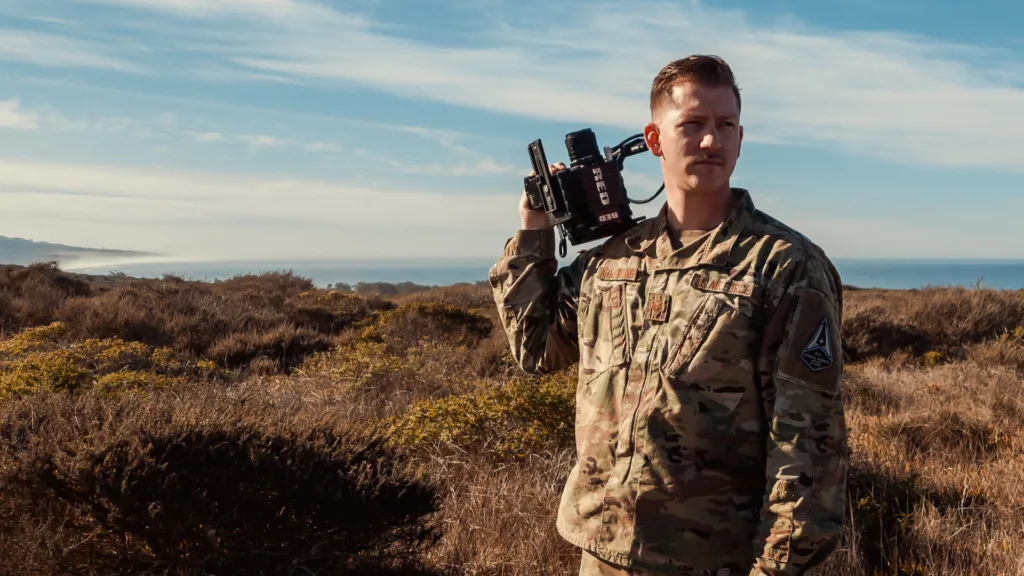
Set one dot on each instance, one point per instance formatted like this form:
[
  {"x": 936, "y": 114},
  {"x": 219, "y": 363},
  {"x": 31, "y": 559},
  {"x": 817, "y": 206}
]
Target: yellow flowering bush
[
  {"x": 933, "y": 358},
  {"x": 43, "y": 358},
  {"x": 526, "y": 416},
  {"x": 357, "y": 365}
]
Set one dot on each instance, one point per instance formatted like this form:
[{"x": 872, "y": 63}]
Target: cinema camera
[{"x": 588, "y": 200}]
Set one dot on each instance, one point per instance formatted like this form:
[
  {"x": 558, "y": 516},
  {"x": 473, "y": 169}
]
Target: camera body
[{"x": 588, "y": 200}]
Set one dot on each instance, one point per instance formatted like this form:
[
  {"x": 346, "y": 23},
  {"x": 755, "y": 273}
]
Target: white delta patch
[
  {"x": 817, "y": 354},
  {"x": 601, "y": 189}
]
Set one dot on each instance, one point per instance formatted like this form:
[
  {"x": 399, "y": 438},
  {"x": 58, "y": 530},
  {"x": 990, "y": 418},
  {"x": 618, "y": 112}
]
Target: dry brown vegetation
[{"x": 263, "y": 426}]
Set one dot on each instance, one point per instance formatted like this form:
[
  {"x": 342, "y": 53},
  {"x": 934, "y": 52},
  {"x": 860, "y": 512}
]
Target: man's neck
[{"x": 703, "y": 212}]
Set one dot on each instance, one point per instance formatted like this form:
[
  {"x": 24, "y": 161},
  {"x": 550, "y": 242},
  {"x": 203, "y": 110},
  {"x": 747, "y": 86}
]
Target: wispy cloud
[
  {"x": 298, "y": 10},
  {"x": 460, "y": 169},
  {"x": 449, "y": 156},
  {"x": 228, "y": 74},
  {"x": 12, "y": 117},
  {"x": 323, "y": 147},
  {"x": 899, "y": 97},
  {"x": 260, "y": 140},
  {"x": 58, "y": 51},
  {"x": 206, "y": 136},
  {"x": 470, "y": 161},
  {"x": 273, "y": 217}
]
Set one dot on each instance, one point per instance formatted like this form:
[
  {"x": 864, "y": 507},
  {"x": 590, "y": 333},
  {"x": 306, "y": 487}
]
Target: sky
[{"x": 315, "y": 129}]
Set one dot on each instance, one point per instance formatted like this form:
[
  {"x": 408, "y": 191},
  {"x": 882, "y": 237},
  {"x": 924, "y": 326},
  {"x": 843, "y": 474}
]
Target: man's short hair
[{"x": 701, "y": 69}]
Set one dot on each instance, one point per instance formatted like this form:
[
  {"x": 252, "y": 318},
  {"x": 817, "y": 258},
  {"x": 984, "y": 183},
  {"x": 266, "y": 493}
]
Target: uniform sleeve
[
  {"x": 537, "y": 302},
  {"x": 801, "y": 368}
]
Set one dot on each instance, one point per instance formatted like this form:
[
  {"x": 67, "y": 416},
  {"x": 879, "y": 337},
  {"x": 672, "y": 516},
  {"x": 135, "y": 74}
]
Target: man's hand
[{"x": 536, "y": 219}]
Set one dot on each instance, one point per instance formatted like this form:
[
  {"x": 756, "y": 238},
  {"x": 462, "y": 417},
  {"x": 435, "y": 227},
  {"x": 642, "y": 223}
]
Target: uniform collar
[{"x": 712, "y": 249}]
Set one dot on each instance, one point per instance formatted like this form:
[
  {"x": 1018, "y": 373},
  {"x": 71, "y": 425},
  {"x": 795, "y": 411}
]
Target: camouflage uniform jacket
[{"x": 710, "y": 433}]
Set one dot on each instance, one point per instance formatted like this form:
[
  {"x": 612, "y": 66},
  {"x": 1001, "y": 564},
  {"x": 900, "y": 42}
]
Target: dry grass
[
  {"x": 307, "y": 431},
  {"x": 939, "y": 459}
]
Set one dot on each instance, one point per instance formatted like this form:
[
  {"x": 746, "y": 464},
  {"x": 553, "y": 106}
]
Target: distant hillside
[{"x": 21, "y": 251}]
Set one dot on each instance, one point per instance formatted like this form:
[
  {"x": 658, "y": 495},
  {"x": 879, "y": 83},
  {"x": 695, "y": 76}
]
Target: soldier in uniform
[{"x": 710, "y": 433}]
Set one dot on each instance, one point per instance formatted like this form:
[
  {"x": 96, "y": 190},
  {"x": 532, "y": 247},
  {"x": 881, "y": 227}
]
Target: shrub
[
  {"x": 275, "y": 316},
  {"x": 333, "y": 311},
  {"x": 526, "y": 416},
  {"x": 469, "y": 296},
  {"x": 31, "y": 295},
  {"x": 871, "y": 333},
  {"x": 361, "y": 364},
  {"x": 201, "y": 486},
  {"x": 933, "y": 358},
  {"x": 285, "y": 345},
  {"x": 417, "y": 322},
  {"x": 177, "y": 314},
  {"x": 44, "y": 358},
  {"x": 880, "y": 322}
]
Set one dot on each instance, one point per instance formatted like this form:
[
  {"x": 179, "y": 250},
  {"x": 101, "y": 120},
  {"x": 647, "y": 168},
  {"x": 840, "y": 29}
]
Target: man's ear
[
  {"x": 739, "y": 147},
  {"x": 652, "y": 138}
]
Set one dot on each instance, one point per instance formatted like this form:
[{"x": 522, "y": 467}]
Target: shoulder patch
[{"x": 817, "y": 354}]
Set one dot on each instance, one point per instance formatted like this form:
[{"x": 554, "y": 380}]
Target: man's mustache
[{"x": 709, "y": 158}]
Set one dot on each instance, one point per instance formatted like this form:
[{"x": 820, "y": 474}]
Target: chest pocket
[
  {"x": 710, "y": 356},
  {"x": 604, "y": 333}
]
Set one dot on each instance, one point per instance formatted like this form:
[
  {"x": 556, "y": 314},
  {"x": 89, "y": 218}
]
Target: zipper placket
[{"x": 652, "y": 339}]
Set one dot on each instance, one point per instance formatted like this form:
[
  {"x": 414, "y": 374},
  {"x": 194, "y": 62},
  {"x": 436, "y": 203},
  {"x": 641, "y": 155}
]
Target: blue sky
[{"x": 303, "y": 129}]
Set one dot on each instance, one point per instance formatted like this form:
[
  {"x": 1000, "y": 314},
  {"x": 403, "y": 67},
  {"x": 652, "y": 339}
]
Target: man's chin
[{"x": 698, "y": 186}]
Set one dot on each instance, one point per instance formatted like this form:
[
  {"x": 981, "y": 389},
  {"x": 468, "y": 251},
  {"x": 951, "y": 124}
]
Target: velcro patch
[
  {"x": 657, "y": 307},
  {"x": 812, "y": 351},
  {"x": 608, "y": 273},
  {"x": 722, "y": 285}
]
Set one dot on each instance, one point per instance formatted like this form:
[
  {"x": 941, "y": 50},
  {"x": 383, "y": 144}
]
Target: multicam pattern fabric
[{"x": 710, "y": 432}]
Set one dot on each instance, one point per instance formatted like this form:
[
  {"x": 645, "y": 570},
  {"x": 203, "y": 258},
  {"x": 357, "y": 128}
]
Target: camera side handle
[{"x": 539, "y": 191}]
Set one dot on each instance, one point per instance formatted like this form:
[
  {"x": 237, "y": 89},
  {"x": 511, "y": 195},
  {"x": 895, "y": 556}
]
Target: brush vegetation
[{"x": 262, "y": 425}]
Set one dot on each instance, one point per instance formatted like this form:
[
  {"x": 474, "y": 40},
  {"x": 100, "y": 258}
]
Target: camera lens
[{"x": 582, "y": 147}]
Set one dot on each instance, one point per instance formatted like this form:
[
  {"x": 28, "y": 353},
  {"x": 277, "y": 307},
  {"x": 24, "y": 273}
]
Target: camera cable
[{"x": 636, "y": 144}]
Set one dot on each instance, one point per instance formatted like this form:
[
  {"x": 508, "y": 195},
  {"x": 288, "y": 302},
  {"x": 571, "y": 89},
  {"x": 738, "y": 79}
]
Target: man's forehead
[{"x": 692, "y": 98}]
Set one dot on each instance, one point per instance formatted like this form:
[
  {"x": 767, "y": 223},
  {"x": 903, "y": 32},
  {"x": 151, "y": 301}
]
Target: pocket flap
[{"x": 728, "y": 395}]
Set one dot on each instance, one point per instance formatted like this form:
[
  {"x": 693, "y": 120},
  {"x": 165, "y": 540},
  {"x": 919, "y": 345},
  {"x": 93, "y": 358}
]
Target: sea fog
[{"x": 862, "y": 273}]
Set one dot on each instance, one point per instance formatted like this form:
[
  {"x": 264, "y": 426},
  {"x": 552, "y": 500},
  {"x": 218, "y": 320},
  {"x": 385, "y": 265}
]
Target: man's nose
[{"x": 711, "y": 141}]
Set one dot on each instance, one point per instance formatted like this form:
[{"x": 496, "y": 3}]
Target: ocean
[{"x": 862, "y": 273}]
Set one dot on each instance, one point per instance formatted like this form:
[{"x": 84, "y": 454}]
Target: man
[{"x": 710, "y": 432}]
